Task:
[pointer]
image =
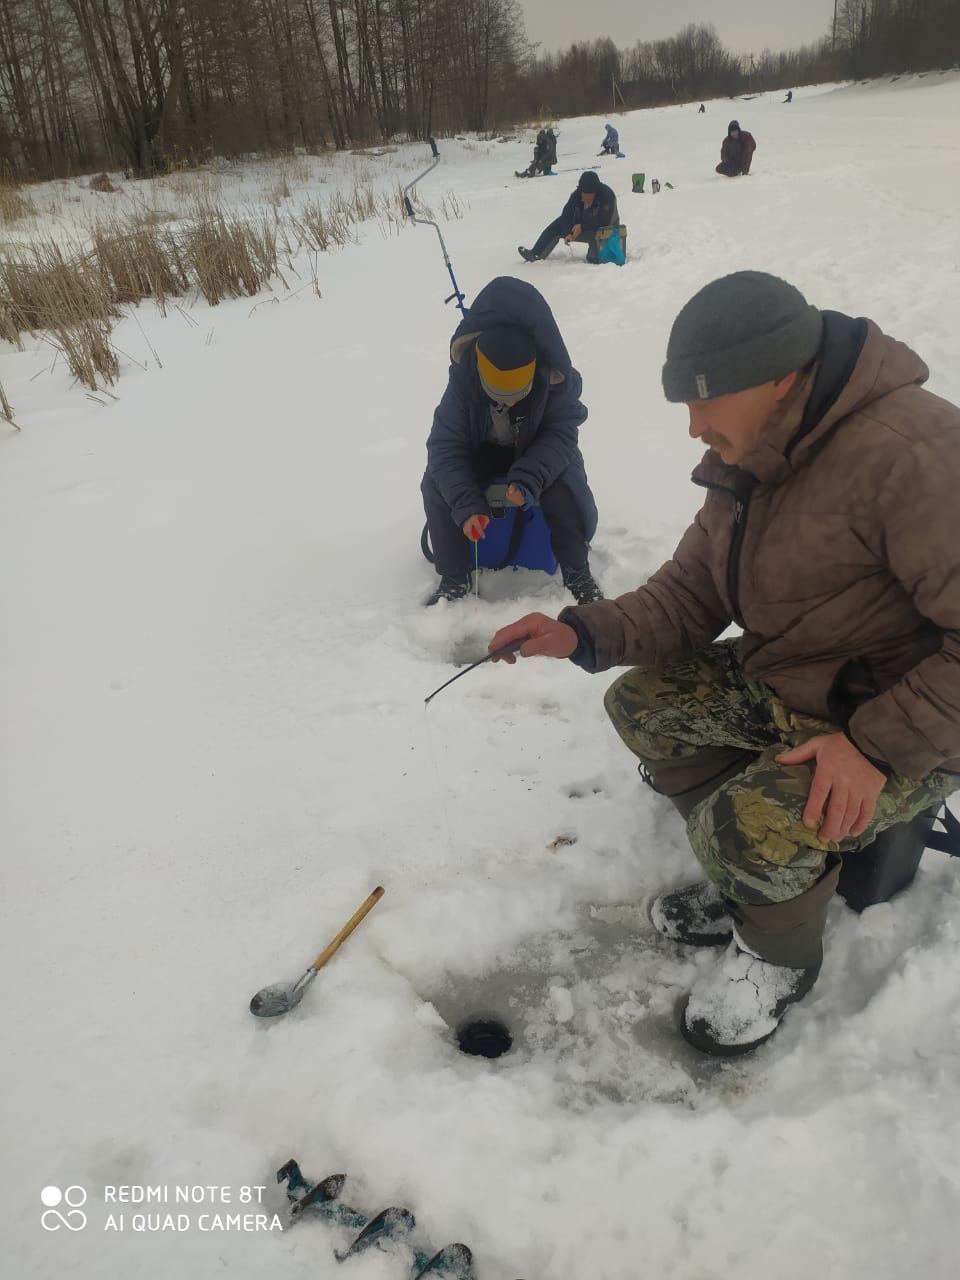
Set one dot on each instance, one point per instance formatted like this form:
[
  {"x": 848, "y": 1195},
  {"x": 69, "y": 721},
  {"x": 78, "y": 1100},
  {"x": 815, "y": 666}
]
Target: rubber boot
[
  {"x": 695, "y": 915},
  {"x": 790, "y": 933},
  {"x": 772, "y": 962}
]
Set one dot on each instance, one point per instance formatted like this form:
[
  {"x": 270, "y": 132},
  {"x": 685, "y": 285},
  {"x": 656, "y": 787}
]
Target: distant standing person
[
  {"x": 550, "y": 150},
  {"x": 789, "y": 97},
  {"x": 702, "y": 111},
  {"x": 737, "y": 151},
  {"x": 591, "y": 206},
  {"x": 610, "y": 146}
]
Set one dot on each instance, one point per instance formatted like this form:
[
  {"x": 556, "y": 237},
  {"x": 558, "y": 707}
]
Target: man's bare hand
[
  {"x": 514, "y": 495},
  {"x": 574, "y": 233},
  {"x": 538, "y": 636},
  {"x": 844, "y": 781}
]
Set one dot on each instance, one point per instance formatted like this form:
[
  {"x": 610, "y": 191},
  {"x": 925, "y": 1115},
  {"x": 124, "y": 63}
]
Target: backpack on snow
[{"x": 612, "y": 242}]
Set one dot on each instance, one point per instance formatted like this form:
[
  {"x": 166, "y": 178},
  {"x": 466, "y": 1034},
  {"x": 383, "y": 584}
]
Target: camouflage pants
[{"x": 704, "y": 718}]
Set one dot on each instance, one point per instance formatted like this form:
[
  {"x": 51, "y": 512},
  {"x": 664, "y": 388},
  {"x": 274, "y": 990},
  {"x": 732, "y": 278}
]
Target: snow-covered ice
[{"x": 214, "y": 745}]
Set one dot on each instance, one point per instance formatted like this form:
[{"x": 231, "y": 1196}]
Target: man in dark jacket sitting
[
  {"x": 539, "y": 162},
  {"x": 592, "y": 206},
  {"x": 511, "y": 408},
  {"x": 737, "y": 151}
]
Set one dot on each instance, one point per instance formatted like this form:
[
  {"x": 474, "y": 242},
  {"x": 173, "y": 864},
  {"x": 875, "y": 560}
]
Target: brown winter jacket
[
  {"x": 835, "y": 545},
  {"x": 737, "y": 153}
]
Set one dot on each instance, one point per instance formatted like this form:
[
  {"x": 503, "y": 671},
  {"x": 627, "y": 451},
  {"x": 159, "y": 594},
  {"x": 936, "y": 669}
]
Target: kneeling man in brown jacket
[{"x": 828, "y": 535}]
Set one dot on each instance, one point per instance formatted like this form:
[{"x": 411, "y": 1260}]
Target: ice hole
[{"x": 484, "y": 1038}]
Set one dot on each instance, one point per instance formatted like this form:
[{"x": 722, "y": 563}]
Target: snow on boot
[
  {"x": 527, "y": 254},
  {"x": 451, "y": 587},
  {"x": 581, "y": 584},
  {"x": 739, "y": 1004},
  {"x": 695, "y": 915}
]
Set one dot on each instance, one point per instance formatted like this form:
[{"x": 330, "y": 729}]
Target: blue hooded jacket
[
  {"x": 547, "y": 448},
  {"x": 611, "y": 138}
]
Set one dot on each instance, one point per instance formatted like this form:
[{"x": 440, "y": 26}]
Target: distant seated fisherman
[
  {"x": 511, "y": 409},
  {"x": 537, "y": 164},
  {"x": 610, "y": 146},
  {"x": 828, "y": 535},
  {"x": 737, "y": 150},
  {"x": 591, "y": 206},
  {"x": 544, "y": 155}
]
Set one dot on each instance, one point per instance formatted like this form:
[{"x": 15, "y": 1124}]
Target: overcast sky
[{"x": 744, "y": 26}]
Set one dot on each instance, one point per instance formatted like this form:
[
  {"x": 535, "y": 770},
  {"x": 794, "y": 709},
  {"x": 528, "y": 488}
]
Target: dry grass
[
  {"x": 310, "y": 225},
  {"x": 452, "y": 207},
  {"x": 320, "y": 224},
  {"x": 363, "y": 201},
  {"x": 102, "y": 183},
  {"x": 42, "y": 290},
  {"x": 9, "y": 331},
  {"x": 14, "y": 205},
  {"x": 277, "y": 192},
  {"x": 6, "y": 410},
  {"x": 72, "y": 295},
  {"x": 300, "y": 171},
  {"x": 193, "y": 184},
  {"x": 153, "y": 217},
  {"x": 229, "y": 257},
  {"x": 139, "y": 259}
]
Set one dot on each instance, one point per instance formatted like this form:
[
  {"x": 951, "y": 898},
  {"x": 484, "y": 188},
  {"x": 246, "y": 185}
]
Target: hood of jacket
[{"x": 509, "y": 301}]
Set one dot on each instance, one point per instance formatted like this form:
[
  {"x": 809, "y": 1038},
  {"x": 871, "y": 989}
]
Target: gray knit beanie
[{"x": 738, "y": 332}]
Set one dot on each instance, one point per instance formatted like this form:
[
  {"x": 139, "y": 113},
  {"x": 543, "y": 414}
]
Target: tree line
[
  {"x": 867, "y": 38},
  {"x": 146, "y": 84}
]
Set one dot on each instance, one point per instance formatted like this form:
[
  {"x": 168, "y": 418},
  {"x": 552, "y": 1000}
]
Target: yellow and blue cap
[{"x": 506, "y": 363}]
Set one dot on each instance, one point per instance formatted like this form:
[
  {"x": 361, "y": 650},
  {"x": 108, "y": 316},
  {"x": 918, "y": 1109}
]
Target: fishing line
[{"x": 442, "y": 788}]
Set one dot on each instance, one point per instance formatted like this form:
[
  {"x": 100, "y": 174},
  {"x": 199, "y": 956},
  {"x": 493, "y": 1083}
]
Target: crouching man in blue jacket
[{"x": 511, "y": 408}]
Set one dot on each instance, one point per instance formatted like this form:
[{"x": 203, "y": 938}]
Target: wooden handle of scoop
[{"x": 348, "y": 928}]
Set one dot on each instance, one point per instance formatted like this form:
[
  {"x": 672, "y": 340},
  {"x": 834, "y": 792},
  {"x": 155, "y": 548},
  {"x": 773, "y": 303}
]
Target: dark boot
[
  {"x": 581, "y": 584},
  {"x": 528, "y": 255},
  {"x": 451, "y": 587},
  {"x": 697, "y": 915},
  {"x": 738, "y": 1005},
  {"x": 773, "y": 962}
]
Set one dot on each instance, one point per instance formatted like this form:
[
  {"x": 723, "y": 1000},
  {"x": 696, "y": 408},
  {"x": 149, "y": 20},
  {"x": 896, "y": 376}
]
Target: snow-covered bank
[{"x": 213, "y": 668}]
